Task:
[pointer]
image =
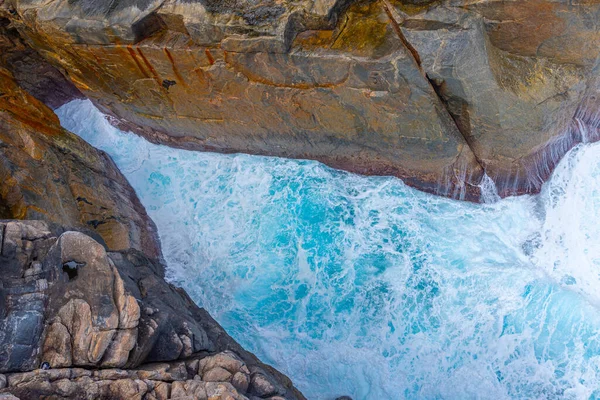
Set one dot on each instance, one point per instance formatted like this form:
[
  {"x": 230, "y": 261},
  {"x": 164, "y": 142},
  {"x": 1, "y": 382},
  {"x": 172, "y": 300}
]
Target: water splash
[
  {"x": 489, "y": 193},
  {"x": 364, "y": 286},
  {"x": 568, "y": 244}
]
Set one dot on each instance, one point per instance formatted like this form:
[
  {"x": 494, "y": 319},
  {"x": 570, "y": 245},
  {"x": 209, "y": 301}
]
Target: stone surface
[
  {"x": 49, "y": 173},
  {"x": 261, "y": 386},
  {"x": 240, "y": 381},
  {"x": 84, "y": 309},
  {"x": 217, "y": 374},
  {"x": 70, "y": 383},
  {"x": 433, "y": 92},
  {"x": 22, "y": 300},
  {"x": 296, "y": 85},
  {"x": 519, "y": 78},
  {"x": 31, "y": 71}
]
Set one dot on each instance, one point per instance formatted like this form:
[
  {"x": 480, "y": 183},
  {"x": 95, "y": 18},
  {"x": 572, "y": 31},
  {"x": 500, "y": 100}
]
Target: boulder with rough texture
[
  {"x": 434, "y": 92},
  {"x": 95, "y": 319},
  {"x": 68, "y": 303}
]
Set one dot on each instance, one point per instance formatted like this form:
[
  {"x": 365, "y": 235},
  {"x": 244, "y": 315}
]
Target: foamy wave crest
[{"x": 363, "y": 286}]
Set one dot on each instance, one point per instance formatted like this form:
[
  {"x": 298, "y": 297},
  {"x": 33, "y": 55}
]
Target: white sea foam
[
  {"x": 489, "y": 192},
  {"x": 363, "y": 286}
]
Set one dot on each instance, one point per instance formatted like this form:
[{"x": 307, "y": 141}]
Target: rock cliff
[{"x": 435, "y": 92}]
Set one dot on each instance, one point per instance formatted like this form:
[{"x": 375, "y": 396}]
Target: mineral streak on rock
[{"x": 434, "y": 92}]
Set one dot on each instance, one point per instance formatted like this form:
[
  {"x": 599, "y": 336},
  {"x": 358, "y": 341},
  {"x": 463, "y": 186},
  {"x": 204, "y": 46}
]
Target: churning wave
[{"x": 366, "y": 287}]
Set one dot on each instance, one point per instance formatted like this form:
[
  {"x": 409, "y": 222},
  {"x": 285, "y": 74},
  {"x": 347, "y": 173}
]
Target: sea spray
[
  {"x": 364, "y": 286},
  {"x": 489, "y": 193}
]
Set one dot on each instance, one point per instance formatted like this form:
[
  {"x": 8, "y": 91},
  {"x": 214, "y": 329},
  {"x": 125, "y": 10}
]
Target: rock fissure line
[
  {"x": 465, "y": 135},
  {"x": 392, "y": 14},
  {"x": 396, "y": 25}
]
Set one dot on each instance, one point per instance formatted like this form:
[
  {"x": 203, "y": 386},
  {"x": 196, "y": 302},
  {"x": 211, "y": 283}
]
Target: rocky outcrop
[
  {"x": 108, "y": 326},
  {"x": 160, "y": 383},
  {"x": 434, "y": 92},
  {"x": 520, "y": 78}
]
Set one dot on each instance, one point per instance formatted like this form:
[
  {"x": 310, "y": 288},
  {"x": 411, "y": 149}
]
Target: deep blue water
[{"x": 366, "y": 287}]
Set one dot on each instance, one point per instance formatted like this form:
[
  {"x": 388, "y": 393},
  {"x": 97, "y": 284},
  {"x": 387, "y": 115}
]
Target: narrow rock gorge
[{"x": 444, "y": 94}]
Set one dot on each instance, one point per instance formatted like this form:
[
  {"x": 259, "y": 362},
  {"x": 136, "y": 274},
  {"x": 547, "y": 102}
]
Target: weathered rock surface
[
  {"x": 109, "y": 326},
  {"x": 49, "y": 173},
  {"x": 434, "y": 92},
  {"x": 32, "y": 72},
  {"x": 79, "y": 383},
  {"x": 520, "y": 78}
]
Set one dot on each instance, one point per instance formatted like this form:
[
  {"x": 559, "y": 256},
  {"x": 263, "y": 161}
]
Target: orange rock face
[
  {"x": 49, "y": 173},
  {"x": 433, "y": 92}
]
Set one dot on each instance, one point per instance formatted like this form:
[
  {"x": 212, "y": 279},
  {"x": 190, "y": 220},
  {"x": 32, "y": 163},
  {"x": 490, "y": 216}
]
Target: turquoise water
[{"x": 363, "y": 286}]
